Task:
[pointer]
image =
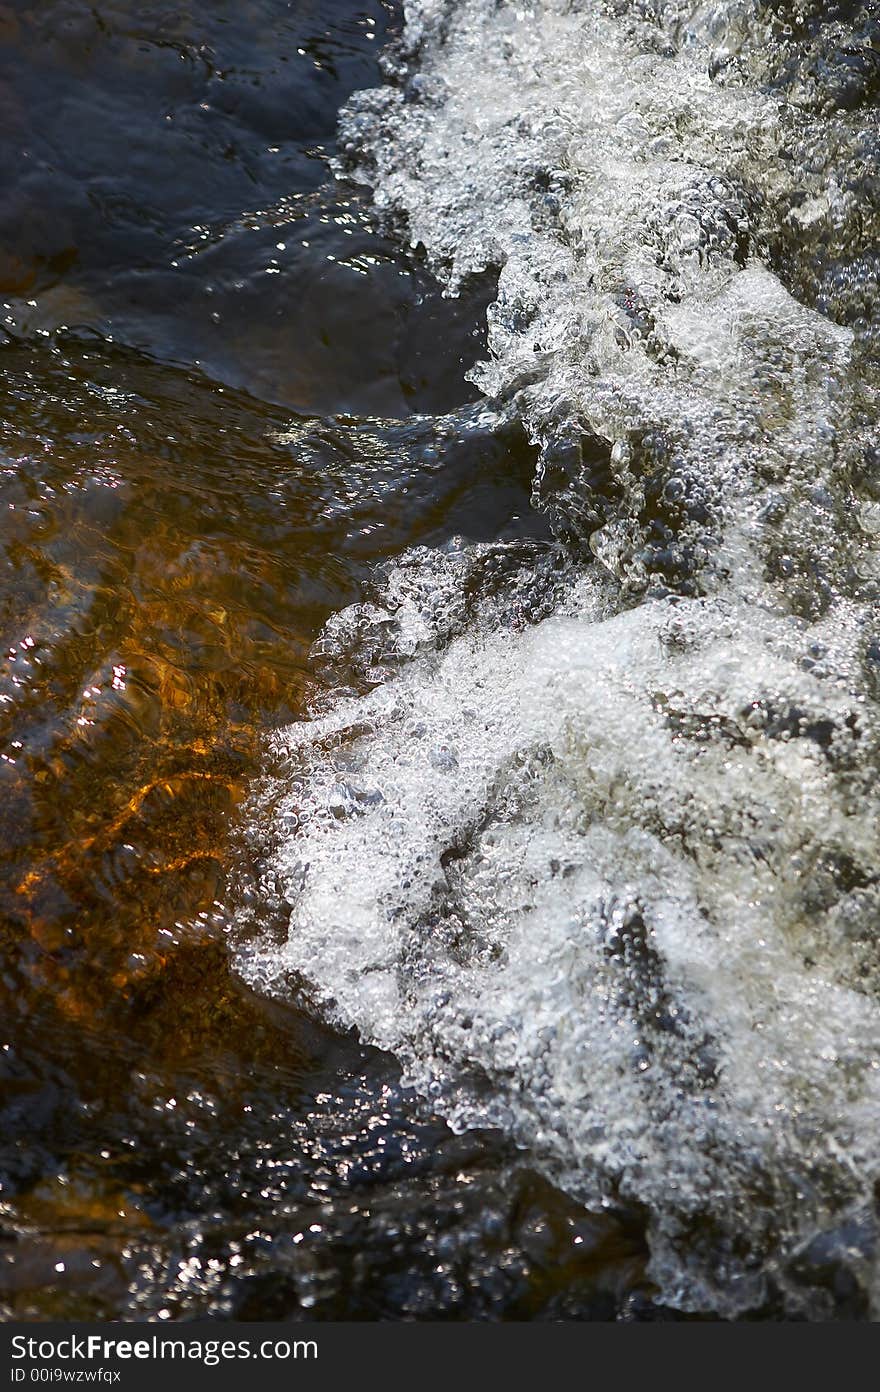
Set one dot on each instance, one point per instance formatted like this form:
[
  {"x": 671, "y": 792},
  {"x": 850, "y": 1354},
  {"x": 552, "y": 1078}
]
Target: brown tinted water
[{"x": 225, "y": 397}]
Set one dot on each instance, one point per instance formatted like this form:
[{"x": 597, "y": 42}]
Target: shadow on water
[{"x": 225, "y": 396}]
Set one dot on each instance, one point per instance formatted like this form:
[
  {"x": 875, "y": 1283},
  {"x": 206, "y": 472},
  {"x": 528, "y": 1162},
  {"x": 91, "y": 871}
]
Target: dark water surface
[{"x": 219, "y": 396}]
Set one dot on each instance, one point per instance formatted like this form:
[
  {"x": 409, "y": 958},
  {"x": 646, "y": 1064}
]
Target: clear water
[
  {"x": 207, "y": 441},
  {"x": 438, "y": 581}
]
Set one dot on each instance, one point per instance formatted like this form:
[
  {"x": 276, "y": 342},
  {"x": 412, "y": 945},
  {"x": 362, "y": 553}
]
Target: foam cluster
[{"x": 596, "y": 849}]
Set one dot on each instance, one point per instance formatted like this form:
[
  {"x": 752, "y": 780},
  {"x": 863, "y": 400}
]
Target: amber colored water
[{"x": 224, "y": 397}]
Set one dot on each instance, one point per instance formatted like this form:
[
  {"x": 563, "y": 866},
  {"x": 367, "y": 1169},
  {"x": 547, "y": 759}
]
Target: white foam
[{"x": 610, "y": 879}]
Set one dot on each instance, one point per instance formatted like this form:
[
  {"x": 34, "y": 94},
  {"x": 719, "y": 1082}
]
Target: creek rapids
[
  {"x": 587, "y": 833},
  {"x": 440, "y": 682}
]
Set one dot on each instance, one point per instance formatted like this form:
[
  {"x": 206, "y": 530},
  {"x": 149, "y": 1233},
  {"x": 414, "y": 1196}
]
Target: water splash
[{"x": 596, "y": 849}]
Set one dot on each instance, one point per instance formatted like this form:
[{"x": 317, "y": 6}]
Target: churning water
[{"x": 588, "y": 833}]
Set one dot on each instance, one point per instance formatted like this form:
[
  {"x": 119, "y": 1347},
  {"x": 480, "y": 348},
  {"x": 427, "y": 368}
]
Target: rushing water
[
  {"x": 439, "y": 598},
  {"x": 211, "y": 368},
  {"x": 592, "y": 841}
]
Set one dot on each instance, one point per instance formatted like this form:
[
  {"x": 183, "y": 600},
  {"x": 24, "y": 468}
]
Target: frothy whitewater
[{"x": 591, "y": 836}]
